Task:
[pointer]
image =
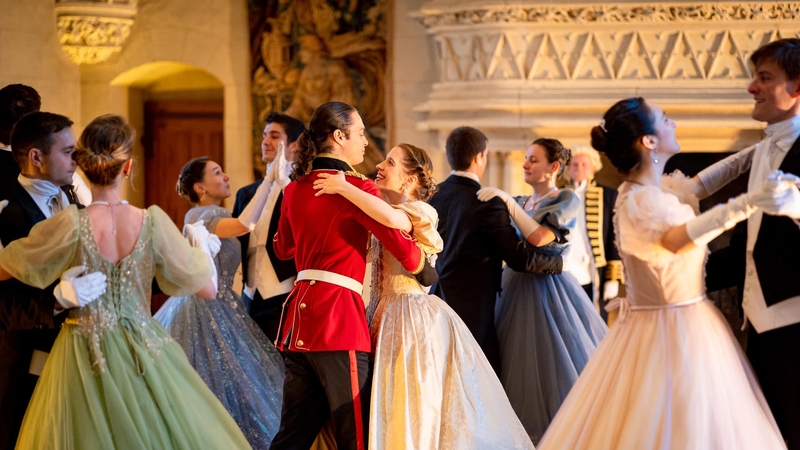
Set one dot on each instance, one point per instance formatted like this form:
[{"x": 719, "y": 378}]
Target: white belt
[
  {"x": 625, "y": 307},
  {"x": 332, "y": 278}
]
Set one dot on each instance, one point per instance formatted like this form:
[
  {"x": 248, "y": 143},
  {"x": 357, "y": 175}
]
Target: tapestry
[{"x": 307, "y": 52}]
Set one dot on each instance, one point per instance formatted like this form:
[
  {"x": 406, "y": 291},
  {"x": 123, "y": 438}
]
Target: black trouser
[
  {"x": 16, "y": 384},
  {"x": 323, "y": 385},
  {"x": 267, "y": 313},
  {"x": 775, "y": 356}
]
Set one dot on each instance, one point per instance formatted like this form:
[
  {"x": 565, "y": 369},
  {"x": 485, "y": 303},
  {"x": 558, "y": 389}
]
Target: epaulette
[{"x": 353, "y": 173}]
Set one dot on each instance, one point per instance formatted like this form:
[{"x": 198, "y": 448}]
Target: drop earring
[{"x": 655, "y": 156}]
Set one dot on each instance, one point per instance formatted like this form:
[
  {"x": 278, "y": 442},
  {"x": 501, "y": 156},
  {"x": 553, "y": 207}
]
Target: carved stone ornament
[
  {"x": 534, "y": 67},
  {"x": 91, "y": 31}
]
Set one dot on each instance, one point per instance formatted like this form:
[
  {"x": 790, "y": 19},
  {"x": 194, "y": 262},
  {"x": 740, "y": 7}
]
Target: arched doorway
[{"x": 177, "y": 110}]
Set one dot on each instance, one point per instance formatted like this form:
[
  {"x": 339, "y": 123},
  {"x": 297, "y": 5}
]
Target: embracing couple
[{"x": 433, "y": 387}]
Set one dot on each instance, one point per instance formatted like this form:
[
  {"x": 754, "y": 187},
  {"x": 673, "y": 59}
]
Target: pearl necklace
[{"x": 111, "y": 205}]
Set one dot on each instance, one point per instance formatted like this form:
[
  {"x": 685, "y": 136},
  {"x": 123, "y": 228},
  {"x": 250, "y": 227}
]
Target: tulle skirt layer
[{"x": 666, "y": 379}]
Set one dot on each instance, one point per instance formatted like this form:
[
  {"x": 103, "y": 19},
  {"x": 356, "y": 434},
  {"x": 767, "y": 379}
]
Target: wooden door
[{"x": 177, "y": 131}]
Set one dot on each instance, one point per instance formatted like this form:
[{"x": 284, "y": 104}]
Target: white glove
[
  {"x": 524, "y": 222},
  {"x": 707, "y": 226},
  {"x": 252, "y": 212},
  {"x": 610, "y": 290},
  {"x": 3, "y": 205},
  {"x": 76, "y": 291},
  {"x": 779, "y": 195},
  {"x": 279, "y": 174},
  {"x": 199, "y": 237},
  {"x": 717, "y": 175}
]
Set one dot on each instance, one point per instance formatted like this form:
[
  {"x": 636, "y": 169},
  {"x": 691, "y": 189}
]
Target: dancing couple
[{"x": 433, "y": 387}]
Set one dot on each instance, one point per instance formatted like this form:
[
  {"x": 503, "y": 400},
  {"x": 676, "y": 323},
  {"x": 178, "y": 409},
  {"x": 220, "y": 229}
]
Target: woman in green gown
[{"x": 115, "y": 379}]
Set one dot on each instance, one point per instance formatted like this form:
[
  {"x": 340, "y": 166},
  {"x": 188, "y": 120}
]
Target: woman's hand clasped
[{"x": 328, "y": 183}]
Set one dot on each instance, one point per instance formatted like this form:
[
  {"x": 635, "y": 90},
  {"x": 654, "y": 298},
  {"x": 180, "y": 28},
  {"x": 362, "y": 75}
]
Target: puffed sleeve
[
  {"x": 424, "y": 220},
  {"x": 643, "y": 216},
  {"x": 39, "y": 259},
  {"x": 180, "y": 269},
  {"x": 680, "y": 185},
  {"x": 560, "y": 215}
]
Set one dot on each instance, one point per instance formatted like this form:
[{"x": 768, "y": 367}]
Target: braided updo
[
  {"x": 417, "y": 163},
  {"x": 105, "y": 145},
  {"x": 618, "y": 134}
]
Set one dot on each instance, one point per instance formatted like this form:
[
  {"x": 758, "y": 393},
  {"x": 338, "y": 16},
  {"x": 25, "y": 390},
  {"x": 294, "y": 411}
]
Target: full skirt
[
  {"x": 433, "y": 388},
  {"x": 666, "y": 379},
  {"x": 138, "y": 400},
  {"x": 548, "y": 329},
  {"x": 234, "y": 358}
]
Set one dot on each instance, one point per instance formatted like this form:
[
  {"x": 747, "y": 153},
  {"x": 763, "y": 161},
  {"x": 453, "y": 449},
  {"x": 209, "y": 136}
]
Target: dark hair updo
[
  {"x": 327, "y": 118},
  {"x": 105, "y": 145},
  {"x": 417, "y": 163},
  {"x": 619, "y": 133},
  {"x": 556, "y": 152},
  {"x": 192, "y": 172}
]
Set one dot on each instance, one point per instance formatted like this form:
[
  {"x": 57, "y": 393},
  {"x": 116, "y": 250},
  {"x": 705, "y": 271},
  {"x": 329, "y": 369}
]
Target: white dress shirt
[
  {"x": 260, "y": 274},
  {"x": 465, "y": 174},
  {"x": 768, "y": 156},
  {"x": 581, "y": 256}
]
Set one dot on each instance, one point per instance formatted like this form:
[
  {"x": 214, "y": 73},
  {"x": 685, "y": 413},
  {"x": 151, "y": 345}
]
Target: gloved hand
[
  {"x": 280, "y": 174},
  {"x": 779, "y": 195},
  {"x": 524, "y": 222},
  {"x": 199, "y": 237},
  {"x": 717, "y": 175},
  {"x": 252, "y": 212},
  {"x": 610, "y": 290},
  {"x": 76, "y": 291},
  {"x": 3, "y": 205},
  {"x": 707, "y": 226}
]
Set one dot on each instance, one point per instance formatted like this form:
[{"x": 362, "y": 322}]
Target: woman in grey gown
[
  {"x": 546, "y": 325},
  {"x": 225, "y": 346}
]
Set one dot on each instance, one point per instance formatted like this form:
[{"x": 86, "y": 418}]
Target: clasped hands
[{"x": 779, "y": 195}]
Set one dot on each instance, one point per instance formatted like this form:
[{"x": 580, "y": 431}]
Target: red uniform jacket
[{"x": 330, "y": 233}]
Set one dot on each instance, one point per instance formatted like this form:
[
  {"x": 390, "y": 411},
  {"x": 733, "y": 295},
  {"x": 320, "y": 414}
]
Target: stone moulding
[
  {"x": 431, "y": 17},
  {"x": 91, "y": 32}
]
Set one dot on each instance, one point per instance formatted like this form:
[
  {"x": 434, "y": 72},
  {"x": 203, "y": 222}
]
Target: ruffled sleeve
[
  {"x": 559, "y": 215},
  {"x": 39, "y": 259},
  {"x": 180, "y": 269},
  {"x": 424, "y": 220},
  {"x": 643, "y": 215},
  {"x": 679, "y": 185}
]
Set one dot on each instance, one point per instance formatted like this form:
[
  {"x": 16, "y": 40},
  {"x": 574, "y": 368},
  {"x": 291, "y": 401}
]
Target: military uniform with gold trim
[
  {"x": 606, "y": 265},
  {"x": 324, "y": 333}
]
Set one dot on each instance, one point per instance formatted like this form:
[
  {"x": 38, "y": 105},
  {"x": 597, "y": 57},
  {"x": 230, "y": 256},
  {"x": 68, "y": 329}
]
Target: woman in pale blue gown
[
  {"x": 546, "y": 325},
  {"x": 225, "y": 346}
]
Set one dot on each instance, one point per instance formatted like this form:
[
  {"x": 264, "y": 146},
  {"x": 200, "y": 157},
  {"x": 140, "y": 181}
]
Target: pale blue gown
[{"x": 546, "y": 325}]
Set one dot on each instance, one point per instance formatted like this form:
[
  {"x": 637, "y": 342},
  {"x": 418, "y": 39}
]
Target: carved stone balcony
[{"x": 91, "y": 31}]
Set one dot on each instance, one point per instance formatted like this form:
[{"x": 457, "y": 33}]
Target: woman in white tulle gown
[
  {"x": 669, "y": 374},
  {"x": 432, "y": 385}
]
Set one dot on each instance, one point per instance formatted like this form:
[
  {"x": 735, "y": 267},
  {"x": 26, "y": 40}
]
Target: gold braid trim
[{"x": 614, "y": 272}]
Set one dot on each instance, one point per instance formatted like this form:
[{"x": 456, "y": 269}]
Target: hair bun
[{"x": 599, "y": 139}]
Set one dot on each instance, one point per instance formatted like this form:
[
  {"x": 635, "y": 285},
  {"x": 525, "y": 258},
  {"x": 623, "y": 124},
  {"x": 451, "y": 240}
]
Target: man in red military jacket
[{"x": 324, "y": 333}]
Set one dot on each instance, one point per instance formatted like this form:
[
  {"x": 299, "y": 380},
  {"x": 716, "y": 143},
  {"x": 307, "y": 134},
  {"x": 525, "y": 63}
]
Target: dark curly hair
[
  {"x": 419, "y": 164},
  {"x": 619, "y": 133}
]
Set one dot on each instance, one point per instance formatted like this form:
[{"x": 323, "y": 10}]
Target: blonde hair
[
  {"x": 104, "y": 147},
  {"x": 594, "y": 156}
]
